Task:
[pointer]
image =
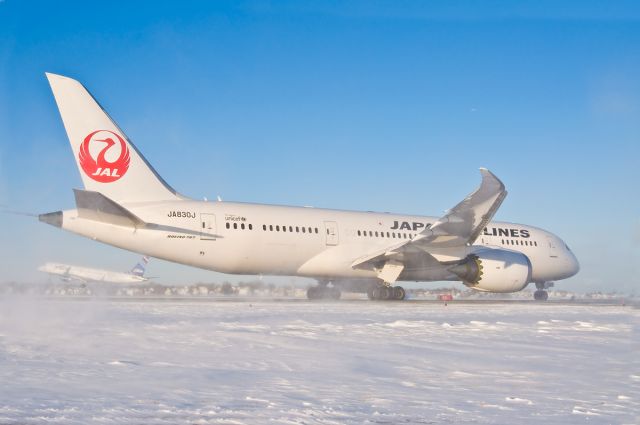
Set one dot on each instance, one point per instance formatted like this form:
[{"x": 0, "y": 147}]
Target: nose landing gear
[{"x": 541, "y": 294}]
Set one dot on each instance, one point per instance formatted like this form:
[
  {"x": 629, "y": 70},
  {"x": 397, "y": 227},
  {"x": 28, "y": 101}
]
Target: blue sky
[{"x": 388, "y": 106}]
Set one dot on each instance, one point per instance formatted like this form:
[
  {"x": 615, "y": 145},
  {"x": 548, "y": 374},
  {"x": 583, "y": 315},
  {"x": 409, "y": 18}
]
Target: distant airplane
[
  {"x": 127, "y": 204},
  {"x": 70, "y": 273}
]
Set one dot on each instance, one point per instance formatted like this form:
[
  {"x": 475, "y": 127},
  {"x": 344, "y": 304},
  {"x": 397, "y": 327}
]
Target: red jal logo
[{"x": 101, "y": 169}]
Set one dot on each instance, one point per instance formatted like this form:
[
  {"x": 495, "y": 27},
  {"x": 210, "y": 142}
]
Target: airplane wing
[
  {"x": 462, "y": 224},
  {"x": 458, "y": 228}
]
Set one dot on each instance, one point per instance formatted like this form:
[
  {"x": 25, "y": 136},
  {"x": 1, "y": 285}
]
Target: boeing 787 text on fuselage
[{"x": 125, "y": 203}]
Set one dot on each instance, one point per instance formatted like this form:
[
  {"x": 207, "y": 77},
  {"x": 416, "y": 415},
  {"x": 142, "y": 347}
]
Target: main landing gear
[
  {"x": 383, "y": 292},
  {"x": 541, "y": 294},
  {"x": 323, "y": 292}
]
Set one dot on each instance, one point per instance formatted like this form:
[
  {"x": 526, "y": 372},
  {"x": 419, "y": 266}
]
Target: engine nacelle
[{"x": 494, "y": 270}]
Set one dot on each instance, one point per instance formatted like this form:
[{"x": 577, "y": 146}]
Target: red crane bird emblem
[{"x": 100, "y": 169}]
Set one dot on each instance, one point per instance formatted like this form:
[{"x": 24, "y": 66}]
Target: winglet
[{"x": 490, "y": 185}]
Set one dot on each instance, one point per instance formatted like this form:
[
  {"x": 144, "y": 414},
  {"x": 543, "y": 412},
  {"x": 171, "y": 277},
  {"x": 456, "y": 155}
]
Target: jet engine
[{"x": 494, "y": 270}]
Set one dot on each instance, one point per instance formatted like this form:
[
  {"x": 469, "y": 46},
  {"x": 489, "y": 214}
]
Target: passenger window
[
  {"x": 277, "y": 228},
  {"x": 388, "y": 235},
  {"x": 242, "y": 226},
  {"x": 235, "y": 225},
  {"x": 316, "y": 230},
  {"x": 264, "y": 227},
  {"x": 358, "y": 232},
  {"x": 251, "y": 227},
  {"x": 291, "y": 228},
  {"x": 228, "y": 226},
  {"x": 297, "y": 229},
  {"x": 376, "y": 234},
  {"x": 271, "y": 227},
  {"x": 304, "y": 229},
  {"x": 370, "y": 233}
]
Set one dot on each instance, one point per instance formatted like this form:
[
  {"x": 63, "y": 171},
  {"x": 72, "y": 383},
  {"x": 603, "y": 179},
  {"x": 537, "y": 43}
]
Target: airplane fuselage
[{"x": 244, "y": 238}]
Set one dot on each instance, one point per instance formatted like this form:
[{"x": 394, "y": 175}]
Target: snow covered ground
[{"x": 252, "y": 362}]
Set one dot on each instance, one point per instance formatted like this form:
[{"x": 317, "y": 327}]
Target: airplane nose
[{"x": 573, "y": 265}]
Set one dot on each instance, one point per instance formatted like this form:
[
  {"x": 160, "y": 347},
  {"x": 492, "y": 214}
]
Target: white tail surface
[{"x": 107, "y": 160}]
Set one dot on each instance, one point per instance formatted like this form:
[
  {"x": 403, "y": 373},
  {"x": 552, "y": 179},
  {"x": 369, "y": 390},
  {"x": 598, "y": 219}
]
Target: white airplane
[
  {"x": 125, "y": 203},
  {"x": 70, "y": 273}
]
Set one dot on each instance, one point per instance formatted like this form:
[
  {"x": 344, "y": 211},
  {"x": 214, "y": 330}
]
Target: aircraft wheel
[
  {"x": 377, "y": 293},
  {"x": 385, "y": 293},
  {"x": 399, "y": 293},
  {"x": 541, "y": 295}
]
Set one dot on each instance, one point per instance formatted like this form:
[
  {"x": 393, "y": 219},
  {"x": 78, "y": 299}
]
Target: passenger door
[
  {"x": 331, "y": 232},
  {"x": 207, "y": 227}
]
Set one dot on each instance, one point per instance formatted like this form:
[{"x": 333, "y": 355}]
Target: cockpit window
[{"x": 567, "y": 246}]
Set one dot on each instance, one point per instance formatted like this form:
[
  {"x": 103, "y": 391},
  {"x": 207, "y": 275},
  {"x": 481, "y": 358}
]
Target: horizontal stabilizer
[{"x": 95, "y": 206}]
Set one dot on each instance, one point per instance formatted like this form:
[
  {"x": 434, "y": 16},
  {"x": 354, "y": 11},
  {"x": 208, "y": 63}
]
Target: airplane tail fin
[
  {"x": 107, "y": 160},
  {"x": 139, "y": 268}
]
